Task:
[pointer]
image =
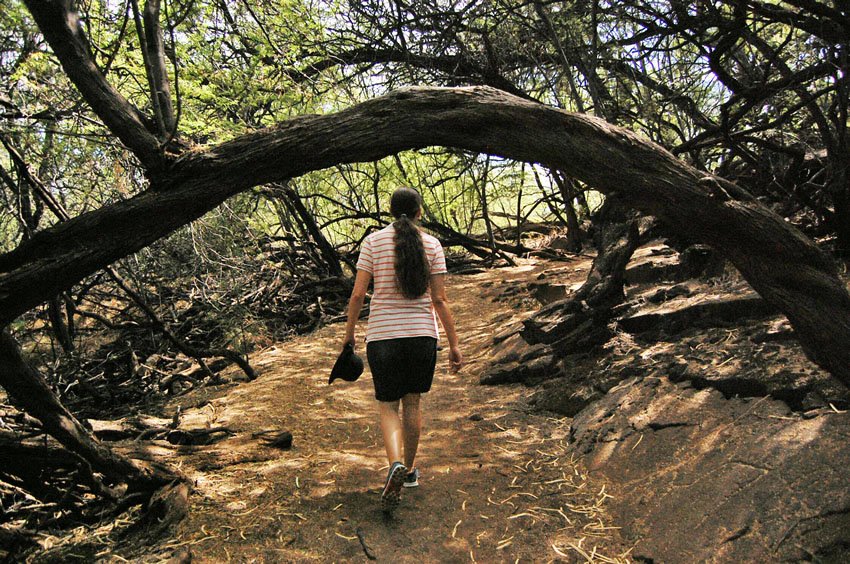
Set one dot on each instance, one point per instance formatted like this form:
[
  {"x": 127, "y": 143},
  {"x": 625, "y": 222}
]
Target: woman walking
[{"x": 408, "y": 267}]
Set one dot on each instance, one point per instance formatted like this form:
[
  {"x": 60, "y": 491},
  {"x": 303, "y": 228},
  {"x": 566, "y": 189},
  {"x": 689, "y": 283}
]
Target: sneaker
[
  {"x": 392, "y": 489},
  {"x": 411, "y": 480}
]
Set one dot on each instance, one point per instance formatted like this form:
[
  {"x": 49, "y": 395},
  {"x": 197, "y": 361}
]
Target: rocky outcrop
[
  {"x": 520, "y": 362},
  {"x": 697, "y": 477},
  {"x": 708, "y": 313},
  {"x": 715, "y": 333}
]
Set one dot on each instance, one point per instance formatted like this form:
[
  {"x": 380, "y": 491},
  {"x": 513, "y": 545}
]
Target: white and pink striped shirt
[{"x": 391, "y": 315}]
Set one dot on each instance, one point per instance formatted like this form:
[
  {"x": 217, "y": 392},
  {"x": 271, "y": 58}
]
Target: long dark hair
[{"x": 411, "y": 263}]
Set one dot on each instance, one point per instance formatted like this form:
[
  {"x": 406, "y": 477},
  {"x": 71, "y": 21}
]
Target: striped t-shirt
[{"x": 391, "y": 315}]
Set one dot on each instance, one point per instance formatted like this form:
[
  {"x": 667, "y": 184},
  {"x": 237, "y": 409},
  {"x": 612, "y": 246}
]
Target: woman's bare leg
[
  {"x": 391, "y": 429},
  {"x": 412, "y": 418}
]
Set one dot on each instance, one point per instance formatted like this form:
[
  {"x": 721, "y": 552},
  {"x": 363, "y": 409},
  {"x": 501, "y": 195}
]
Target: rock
[
  {"x": 696, "y": 260},
  {"x": 651, "y": 272},
  {"x": 665, "y": 294},
  {"x": 662, "y": 252},
  {"x": 562, "y": 401},
  {"x": 698, "y": 477},
  {"x": 779, "y": 331},
  {"x": 517, "y": 361},
  {"x": 579, "y": 382},
  {"x": 560, "y": 243},
  {"x": 800, "y": 388},
  {"x": 507, "y": 332},
  {"x": 546, "y": 293},
  {"x": 713, "y": 313},
  {"x": 476, "y": 417},
  {"x": 512, "y": 348},
  {"x": 528, "y": 371},
  {"x": 774, "y": 336}
]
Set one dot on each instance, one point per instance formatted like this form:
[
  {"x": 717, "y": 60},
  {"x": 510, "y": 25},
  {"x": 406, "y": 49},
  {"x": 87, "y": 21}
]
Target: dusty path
[{"x": 498, "y": 483}]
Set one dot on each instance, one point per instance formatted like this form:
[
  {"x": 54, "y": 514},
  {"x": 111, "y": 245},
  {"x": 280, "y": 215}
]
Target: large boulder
[{"x": 698, "y": 477}]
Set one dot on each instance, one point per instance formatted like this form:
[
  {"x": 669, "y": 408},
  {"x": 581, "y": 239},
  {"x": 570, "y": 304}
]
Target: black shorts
[{"x": 401, "y": 366}]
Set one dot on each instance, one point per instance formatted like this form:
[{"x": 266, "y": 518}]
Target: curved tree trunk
[{"x": 784, "y": 266}]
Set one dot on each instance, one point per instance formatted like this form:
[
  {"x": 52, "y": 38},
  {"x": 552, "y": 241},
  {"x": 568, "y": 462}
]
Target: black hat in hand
[{"x": 348, "y": 366}]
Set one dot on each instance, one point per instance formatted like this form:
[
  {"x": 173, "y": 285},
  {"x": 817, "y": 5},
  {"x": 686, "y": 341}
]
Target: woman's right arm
[
  {"x": 355, "y": 304},
  {"x": 441, "y": 306}
]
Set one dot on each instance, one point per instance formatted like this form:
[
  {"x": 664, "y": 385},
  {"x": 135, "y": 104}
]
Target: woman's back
[{"x": 391, "y": 315}]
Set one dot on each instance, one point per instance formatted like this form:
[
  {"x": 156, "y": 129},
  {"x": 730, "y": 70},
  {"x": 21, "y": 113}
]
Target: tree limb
[{"x": 784, "y": 266}]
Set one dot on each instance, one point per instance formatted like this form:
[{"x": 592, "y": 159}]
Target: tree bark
[
  {"x": 784, "y": 266},
  {"x": 574, "y": 235},
  {"x": 55, "y": 313},
  {"x": 156, "y": 58},
  {"x": 61, "y": 27}
]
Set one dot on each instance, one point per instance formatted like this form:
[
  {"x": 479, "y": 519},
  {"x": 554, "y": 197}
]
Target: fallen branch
[
  {"x": 362, "y": 538},
  {"x": 153, "y": 428}
]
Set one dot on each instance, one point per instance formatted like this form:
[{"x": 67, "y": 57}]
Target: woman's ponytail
[{"x": 411, "y": 263}]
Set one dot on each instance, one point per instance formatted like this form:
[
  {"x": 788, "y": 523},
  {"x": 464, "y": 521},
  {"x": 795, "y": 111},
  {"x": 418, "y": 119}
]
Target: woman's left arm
[{"x": 355, "y": 304}]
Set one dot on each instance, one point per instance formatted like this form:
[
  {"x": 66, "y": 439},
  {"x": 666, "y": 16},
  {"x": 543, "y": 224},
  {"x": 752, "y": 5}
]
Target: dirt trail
[{"x": 498, "y": 483}]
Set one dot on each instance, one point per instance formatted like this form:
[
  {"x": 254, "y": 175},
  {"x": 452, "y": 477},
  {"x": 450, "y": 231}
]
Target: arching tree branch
[{"x": 785, "y": 267}]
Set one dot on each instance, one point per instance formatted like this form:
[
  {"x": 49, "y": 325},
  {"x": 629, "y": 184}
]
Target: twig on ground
[{"x": 368, "y": 551}]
